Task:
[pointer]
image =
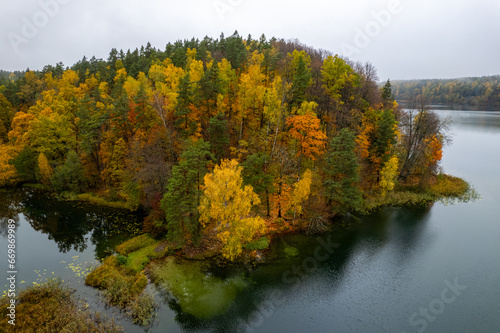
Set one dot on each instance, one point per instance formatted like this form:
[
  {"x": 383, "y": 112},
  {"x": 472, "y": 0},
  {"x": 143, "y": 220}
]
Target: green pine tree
[
  {"x": 182, "y": 198},
  {"x": 69, "y": 176},
  {"x": 254, "y": 174},
  {"x": 301, "y": 81},
  {"x": 219, "y": 136},
  {"x": 184, "y": 100},
  {"x": 385, "y": 135},
  {"x": 342, "y": 173},
  {"x": 387, "y": 92}
]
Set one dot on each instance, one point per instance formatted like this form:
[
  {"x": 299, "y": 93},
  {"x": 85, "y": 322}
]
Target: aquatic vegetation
[
  {"x": 198, "y": 292},
  {"x": 142, "y": 309},
  {"x": 260, "y": 244},
  {"x": 121, "y": 283},
  {"x": 89, "y": 197},
  {"x": 449, "y": 186},
  {"x": 450, "y": 190},
  {"x": 290, "y": 251},
  {"x": 79, "y": 268},
  {"x": 122, "y": 278},
  {"x": 137, "y": 252},
  {"x": 52, "y": 307},
  {"x": 139, "y": 259}
]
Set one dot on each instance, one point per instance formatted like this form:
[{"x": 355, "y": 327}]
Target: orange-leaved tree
[
  {"x": 434, "y": 151},
  {"x": 311, "y": 140}
]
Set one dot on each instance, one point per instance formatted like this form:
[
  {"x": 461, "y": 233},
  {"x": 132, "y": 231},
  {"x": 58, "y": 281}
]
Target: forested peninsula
[
  {"x": 224, "y": 144},
  {"x": 221, "y": 141}
]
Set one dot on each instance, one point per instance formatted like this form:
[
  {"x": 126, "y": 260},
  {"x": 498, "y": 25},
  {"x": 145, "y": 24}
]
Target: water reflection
[
  {"x": 277, "y": 282},
  {"x": 480, "y": 121},
  {"x": 9, "y": 209},
  {"x": 69, "y": 224}
]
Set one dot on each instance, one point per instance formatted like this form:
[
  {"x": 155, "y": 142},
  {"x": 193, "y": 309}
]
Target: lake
[{"x": 433, "y": 269}]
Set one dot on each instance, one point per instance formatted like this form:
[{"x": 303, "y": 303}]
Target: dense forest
[
  {"x": 226, "y": 139},
  {"x": 465, "y": 92}
]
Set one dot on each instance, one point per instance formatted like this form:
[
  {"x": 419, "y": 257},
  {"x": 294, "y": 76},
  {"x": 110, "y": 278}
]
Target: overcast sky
[{"x": 404, "y": 39}]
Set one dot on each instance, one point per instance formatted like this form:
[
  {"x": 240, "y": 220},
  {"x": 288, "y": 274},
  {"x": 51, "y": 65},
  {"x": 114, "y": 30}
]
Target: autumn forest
[
  {"x": 220, "y": 141},
  {"x": 475, "y": 92}
]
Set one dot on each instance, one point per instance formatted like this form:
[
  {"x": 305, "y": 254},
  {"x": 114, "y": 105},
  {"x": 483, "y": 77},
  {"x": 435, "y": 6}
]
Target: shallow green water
[{"x": 398, "y": 270}]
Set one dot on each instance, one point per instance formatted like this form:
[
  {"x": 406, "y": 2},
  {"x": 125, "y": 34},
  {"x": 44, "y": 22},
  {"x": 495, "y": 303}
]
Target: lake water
[{"x": 432, "y": 269}]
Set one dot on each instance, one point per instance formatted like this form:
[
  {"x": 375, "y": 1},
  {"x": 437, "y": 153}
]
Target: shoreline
[{"x": 131, "y": 265}]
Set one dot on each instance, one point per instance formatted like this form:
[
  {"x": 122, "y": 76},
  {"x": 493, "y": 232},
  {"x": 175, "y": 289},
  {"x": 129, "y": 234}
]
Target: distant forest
[
  {"x": 6, "y": 76},
  {"x": 470, "y": 92}
]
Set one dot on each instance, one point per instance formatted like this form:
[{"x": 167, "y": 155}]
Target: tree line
[
  {"x": 467, "y": 92},
  {"x": 231, "y": 134}
]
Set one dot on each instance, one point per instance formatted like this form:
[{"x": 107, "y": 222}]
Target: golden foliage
[
  {"x": 7, "y": 171},
  {"x": 388, "y": 175},
  {"x": 45, "y": 169},
  {"x": 21, "y": 125},
  {"x": 226, "y": 202},
  {"x": 301, "y": 191}
]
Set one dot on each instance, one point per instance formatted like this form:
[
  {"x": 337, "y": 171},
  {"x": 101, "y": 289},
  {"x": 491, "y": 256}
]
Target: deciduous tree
[
  {"x": 227, "y": 203},
  {"x": 311, "y": 140},
  {"x": 389, "y": 174},
  {"x": 7, "y": 170},
  {"x": 69, "y": 176},
  {"x": 301, "y": 192},
  {"x": 45, "y": 169}
]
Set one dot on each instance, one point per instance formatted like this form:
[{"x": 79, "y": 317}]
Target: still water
[{"x": 432, "y": 269}]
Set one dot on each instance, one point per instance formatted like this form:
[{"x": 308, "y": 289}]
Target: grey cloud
[{"x": 426, "y": 39}]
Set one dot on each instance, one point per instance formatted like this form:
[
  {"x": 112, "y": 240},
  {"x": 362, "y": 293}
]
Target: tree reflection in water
[{"x": 69, "y": 224}]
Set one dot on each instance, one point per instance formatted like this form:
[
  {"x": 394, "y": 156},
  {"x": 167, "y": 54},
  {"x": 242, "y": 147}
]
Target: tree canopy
[{"x": 216, "y": 132}]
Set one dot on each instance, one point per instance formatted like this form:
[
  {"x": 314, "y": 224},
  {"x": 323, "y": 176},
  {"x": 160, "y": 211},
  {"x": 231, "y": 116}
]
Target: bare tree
[
  {"x": 418, "y": 125},
  {"x": 368, "y": 77}
]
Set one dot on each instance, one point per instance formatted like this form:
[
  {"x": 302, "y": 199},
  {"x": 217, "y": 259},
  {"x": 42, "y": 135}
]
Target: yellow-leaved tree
[
  {"x": 45, "y": 169},
  {"x": 301, "y": 192},
  {"x": 7, "y": 170},
  {"x": 388, "y": 174},
  {"x": 226, "y": 202}
]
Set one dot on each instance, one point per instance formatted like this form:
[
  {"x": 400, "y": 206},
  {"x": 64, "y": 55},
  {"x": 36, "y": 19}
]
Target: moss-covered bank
[{"x": 123, "y": 280}]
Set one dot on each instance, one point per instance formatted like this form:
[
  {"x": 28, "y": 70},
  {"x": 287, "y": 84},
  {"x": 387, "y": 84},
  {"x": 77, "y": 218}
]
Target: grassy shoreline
[
  {"x": 89, "y": 197},
  {"x": 53, "y": 307},
  {"x": 447, "y": 189},
  {"x": 122, "y": 277}
]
